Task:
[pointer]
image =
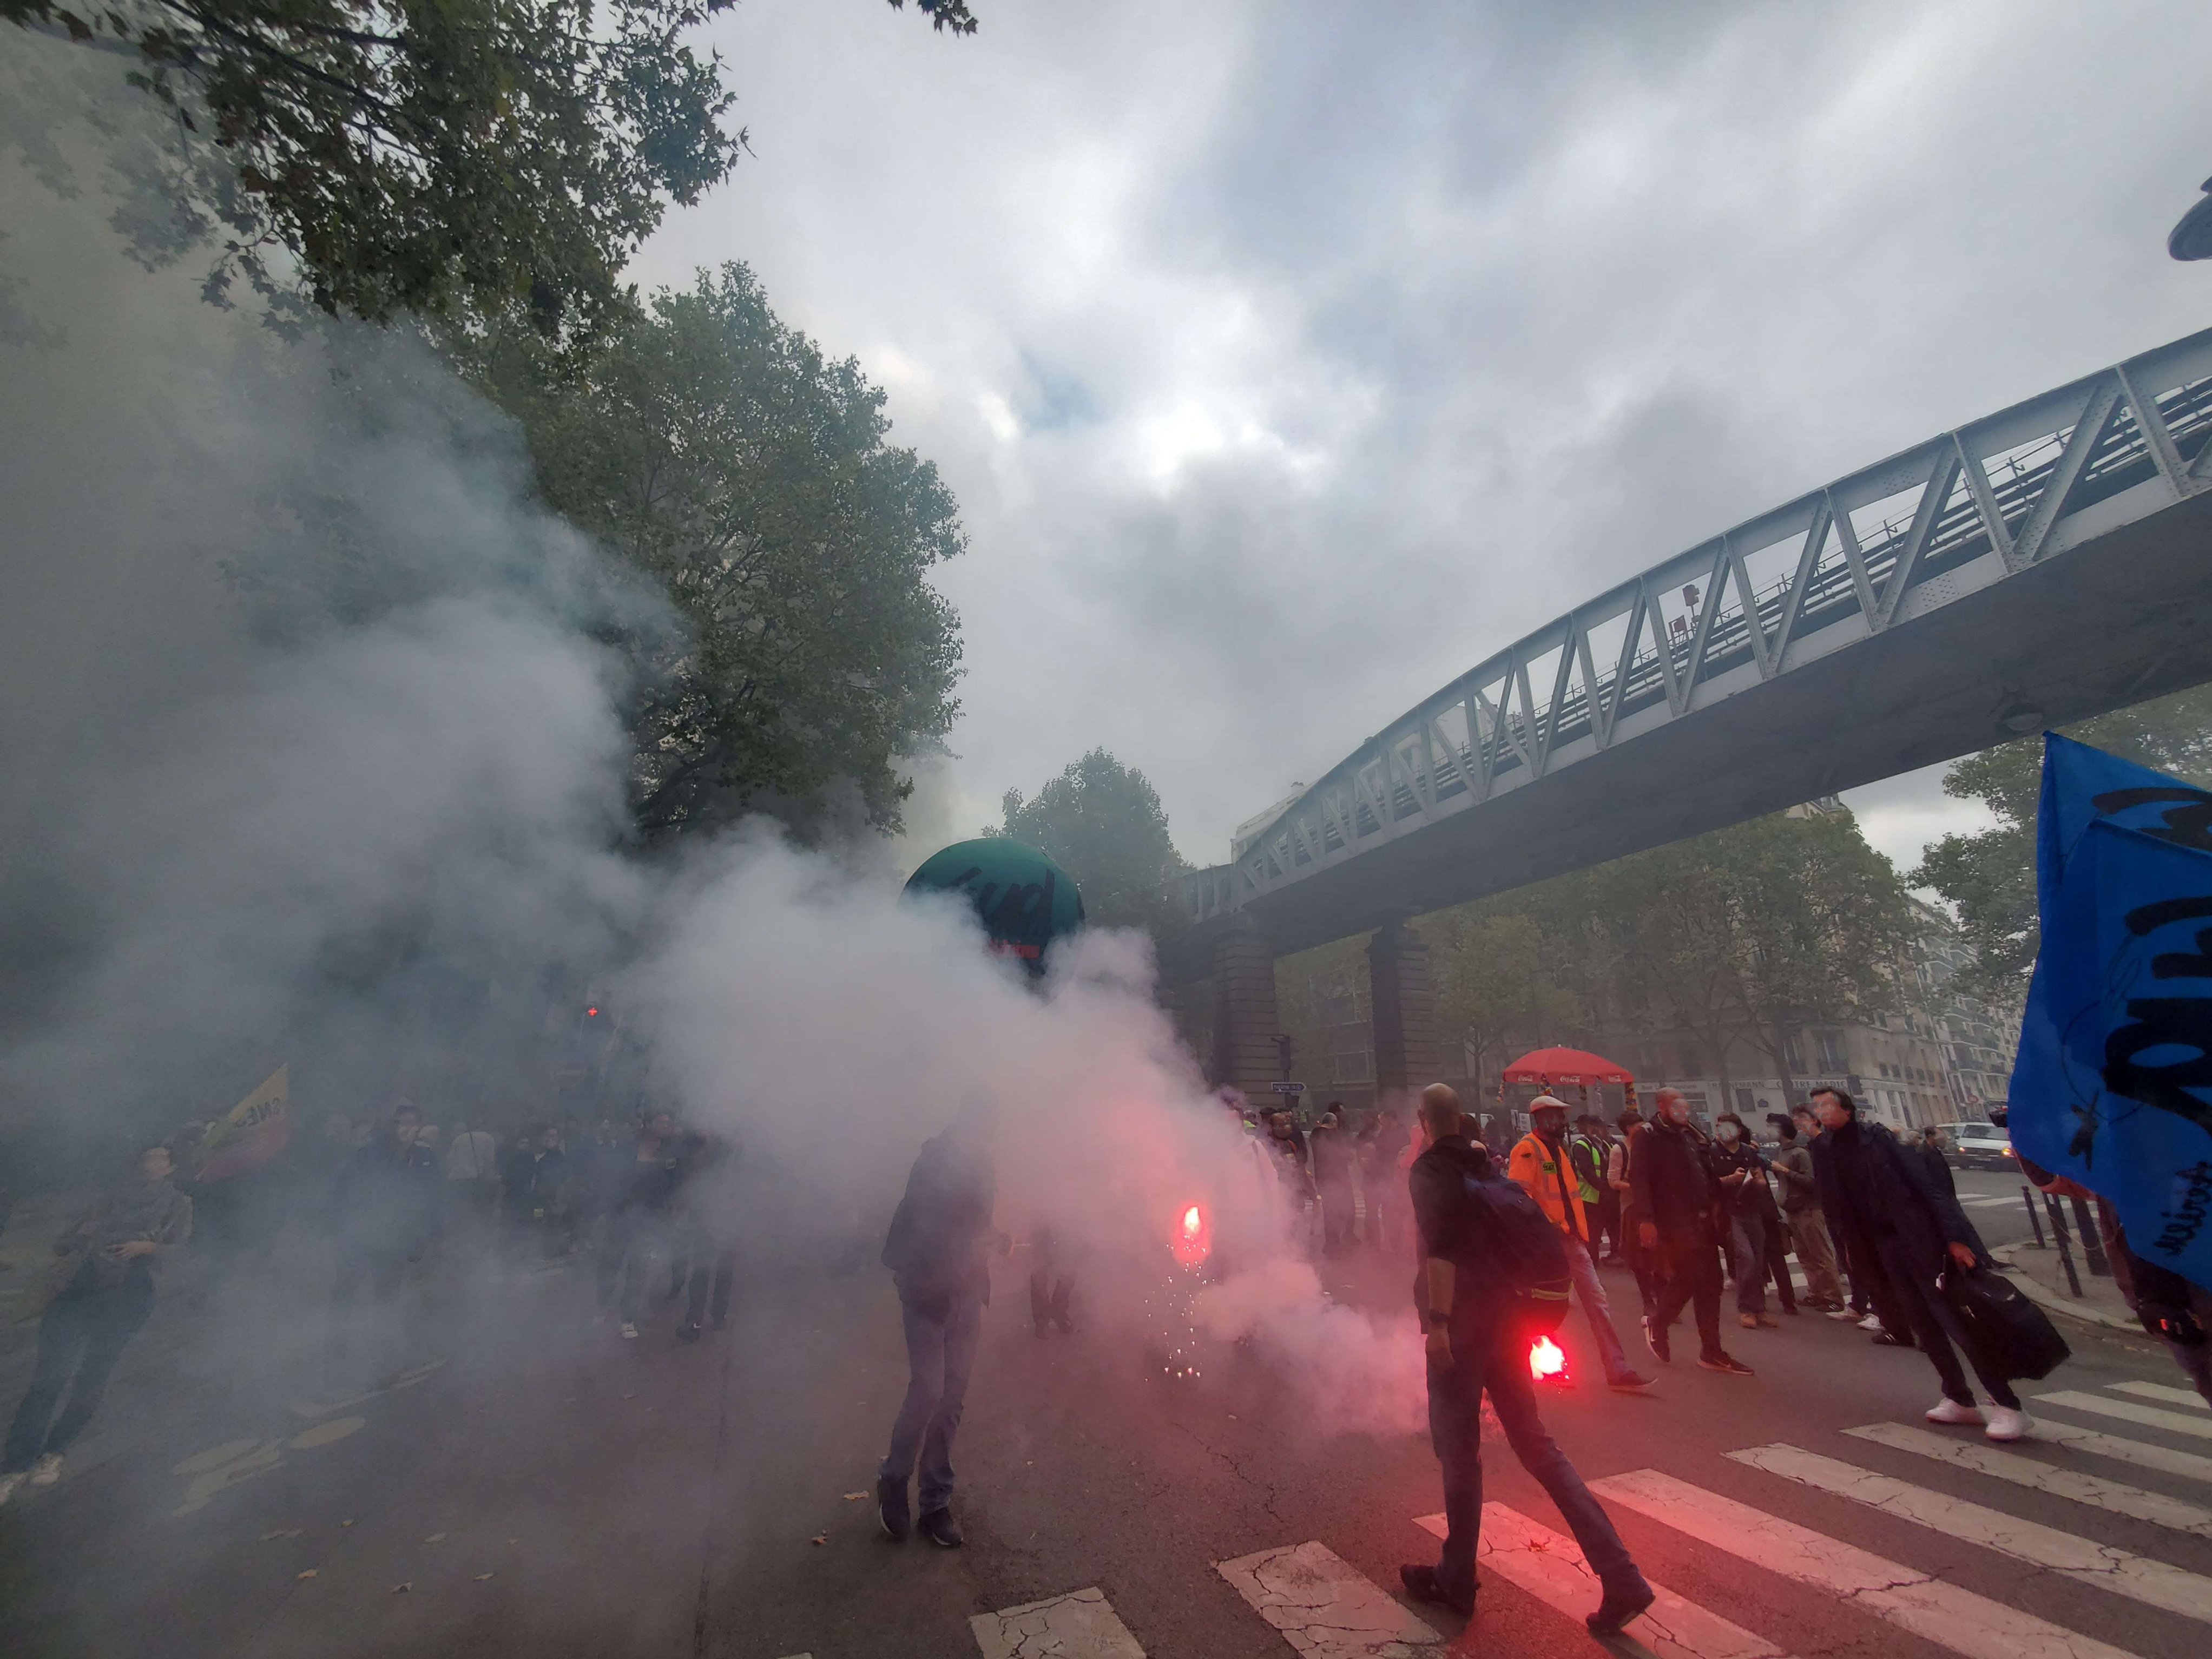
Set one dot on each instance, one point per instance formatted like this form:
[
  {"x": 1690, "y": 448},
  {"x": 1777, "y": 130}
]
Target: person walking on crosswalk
[
  {"x": 1542, "y": 1166},
  {"x": 1477, "y": 1343},
  {"x": 1678, "y": 1212},
  {"x": 1894, "y": 1217}
]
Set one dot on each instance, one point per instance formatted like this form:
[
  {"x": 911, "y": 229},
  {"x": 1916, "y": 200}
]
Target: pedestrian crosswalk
[{"x": 1324, "y": 1608}]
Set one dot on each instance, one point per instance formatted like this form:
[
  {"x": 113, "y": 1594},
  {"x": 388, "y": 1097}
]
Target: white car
[{"x": 1981, "y": 1146}]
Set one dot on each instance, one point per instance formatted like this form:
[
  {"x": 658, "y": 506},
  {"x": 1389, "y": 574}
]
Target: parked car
[{"x": 1981, "y": 1146}]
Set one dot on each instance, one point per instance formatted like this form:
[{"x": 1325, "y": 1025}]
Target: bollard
[
  {"x": 2033, "y": 1219},
  {"x": 2065, "y": 1256},
  {"x": 2093, "y": 1242}
]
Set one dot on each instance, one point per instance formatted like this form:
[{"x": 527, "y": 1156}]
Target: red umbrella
[{"x": 1566, "y": 1065}]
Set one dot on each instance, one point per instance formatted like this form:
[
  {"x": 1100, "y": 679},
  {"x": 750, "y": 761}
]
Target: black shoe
[
  {"x": 1727, "y": 1364},
  {"x": 937, "y": 1527},
  {"x": 1618, "y": 1608},
  {"x": 891, "y": 1508},
  {"x": 687, "y": 1332},
  {"x": 1891, "y": 1340},
  {"x": 1422, "y": 1585},
  {"x": 1655, "y": 1335}
]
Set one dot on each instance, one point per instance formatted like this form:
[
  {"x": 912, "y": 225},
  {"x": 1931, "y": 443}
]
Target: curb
[{"x": 2050, "y": 1300}]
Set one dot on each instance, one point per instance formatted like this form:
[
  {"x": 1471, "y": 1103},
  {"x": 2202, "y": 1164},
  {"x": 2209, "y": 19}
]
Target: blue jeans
[
  {"x": 1591, "y": 1290},
  {"x": 1497, "y": 1359},
  {"x": 939, "y": 1355}
]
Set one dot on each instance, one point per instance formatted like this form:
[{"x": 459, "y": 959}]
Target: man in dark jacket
[
  {"x": 1757, "y": 1243},
  {"x": 388, "y": 1202},
  {"x": 935, "y": 1251},
  {"x": 1677, "y": 1209},
  {"x": 1476, "y": 1345},
  {"x": 1332, "y": 1154},
  {"x": 133, "y": 1230},
  {"x": 1886, "y": 1204}
]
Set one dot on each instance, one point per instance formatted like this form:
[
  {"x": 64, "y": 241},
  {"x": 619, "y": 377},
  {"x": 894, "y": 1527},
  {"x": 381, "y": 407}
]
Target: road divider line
[
  {"x": 1943, "y": 1612},
  {"x": 2141, "y": 1453},
  {"x": 1080, "y": 1625},
  {"x": 2128, "y": 1412},
  {"x": 1325, "y": 1607},
  {"x": 1982, "y": 1458},
  {"x": 2155, "y": 1583},
  {"x": 1550, "y": 1567},
  {"x": 2188, "y": 1397}
]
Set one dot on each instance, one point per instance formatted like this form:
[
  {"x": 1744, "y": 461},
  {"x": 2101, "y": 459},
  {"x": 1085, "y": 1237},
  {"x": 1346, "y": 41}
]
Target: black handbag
[{"x": 2011, "y": 1336}]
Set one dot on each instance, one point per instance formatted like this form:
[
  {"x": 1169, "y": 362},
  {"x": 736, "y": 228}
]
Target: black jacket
[
  {"x": 1875, "y": 1192},
  {"x": 935, "y": 1246},
  {"x": 1672, "y": 1189},
  {"x": 1749, "y": 1197},
  {"x": 388, "y": 1197},
  {"x": 1443, "y": 1218}
]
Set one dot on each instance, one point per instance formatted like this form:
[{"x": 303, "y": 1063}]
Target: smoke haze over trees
[{"x": 382, "y": 157}]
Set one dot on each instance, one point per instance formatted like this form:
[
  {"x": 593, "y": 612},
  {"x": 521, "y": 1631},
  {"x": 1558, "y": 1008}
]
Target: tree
[
  {"x": 1102, "y": 821},
  {"x": 1988, "y": 877},
  {"x": 432, "y": 156},
  {"x": 1492, "y": 967},
  {"x": 721, "y": 454}
]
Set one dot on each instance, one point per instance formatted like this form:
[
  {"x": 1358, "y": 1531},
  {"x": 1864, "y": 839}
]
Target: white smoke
[{"x": 307, "y": 752}]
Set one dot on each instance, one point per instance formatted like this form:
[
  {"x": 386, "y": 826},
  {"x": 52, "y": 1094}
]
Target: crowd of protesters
[{"x": 396, "y": 1198}]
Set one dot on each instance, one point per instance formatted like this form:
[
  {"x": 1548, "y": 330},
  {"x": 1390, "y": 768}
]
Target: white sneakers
[
  {"x": 1873, "y": 1323},
  {"x": 2004, "y": 1422},
  {"x": 628, "y": 1331}
]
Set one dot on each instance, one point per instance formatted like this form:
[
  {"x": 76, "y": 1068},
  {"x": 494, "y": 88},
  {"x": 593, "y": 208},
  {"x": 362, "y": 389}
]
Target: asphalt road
[{"x": 527, "y": 1484}]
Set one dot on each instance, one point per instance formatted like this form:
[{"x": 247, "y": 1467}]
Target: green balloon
[{"x": 1023, "y": 900}]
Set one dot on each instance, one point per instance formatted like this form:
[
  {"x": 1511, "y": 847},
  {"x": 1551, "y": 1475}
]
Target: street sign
[{"x": 1288, "y": 1088}]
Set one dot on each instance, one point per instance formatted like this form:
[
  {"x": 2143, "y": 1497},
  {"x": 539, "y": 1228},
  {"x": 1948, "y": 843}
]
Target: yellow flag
[{"x": 250, "y": 1133}]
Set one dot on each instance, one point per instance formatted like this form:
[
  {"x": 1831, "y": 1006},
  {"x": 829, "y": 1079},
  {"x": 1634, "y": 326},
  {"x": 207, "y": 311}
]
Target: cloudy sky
[{"x": 1288, "y": 358}]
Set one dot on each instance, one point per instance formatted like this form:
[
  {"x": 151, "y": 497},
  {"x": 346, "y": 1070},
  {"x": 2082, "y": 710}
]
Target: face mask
[{"x": 1727, "y": 1131}]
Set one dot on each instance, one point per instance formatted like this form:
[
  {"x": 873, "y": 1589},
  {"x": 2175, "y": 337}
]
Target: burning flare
[
  {"x": 1546, "y": 1364},
  {"x": 1191, "y": 1238}
]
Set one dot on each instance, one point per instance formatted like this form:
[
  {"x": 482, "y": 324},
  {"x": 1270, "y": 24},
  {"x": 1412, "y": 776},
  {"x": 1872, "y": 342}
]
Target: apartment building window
[{"x": 1832, "y": 1058}]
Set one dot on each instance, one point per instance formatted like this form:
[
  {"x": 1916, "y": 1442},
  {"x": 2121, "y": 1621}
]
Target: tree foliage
[
  {"x": 1102, "y": 821},
  {"x": 1988, "y": 877},
  {"x": 429, "y": 157},
  {"x": 1735, "y": 936},
  {"x": 747, "y": 475}
]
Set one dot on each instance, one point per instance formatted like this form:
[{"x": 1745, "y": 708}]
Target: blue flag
[{"x": 2113, "y": 1086}]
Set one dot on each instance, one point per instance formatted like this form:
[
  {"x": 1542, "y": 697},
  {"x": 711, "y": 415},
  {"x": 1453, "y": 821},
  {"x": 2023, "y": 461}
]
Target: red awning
[{"x": 1566, "y": 1065}]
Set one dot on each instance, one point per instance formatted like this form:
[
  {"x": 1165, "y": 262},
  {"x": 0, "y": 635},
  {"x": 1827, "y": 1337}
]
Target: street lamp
[{"x": 2192, "y": 237}]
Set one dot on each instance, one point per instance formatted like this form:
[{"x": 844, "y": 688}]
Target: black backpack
[{"x": 1522, "y": 1249}]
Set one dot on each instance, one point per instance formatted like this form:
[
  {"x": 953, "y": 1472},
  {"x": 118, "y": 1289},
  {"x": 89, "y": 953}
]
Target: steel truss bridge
[{"x": 2047, "y": 563}]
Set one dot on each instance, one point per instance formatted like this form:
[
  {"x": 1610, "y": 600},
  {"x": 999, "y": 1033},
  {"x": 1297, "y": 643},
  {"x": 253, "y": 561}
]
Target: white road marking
[
  {"x": 2082, "y": 1559},
  {"x": 2188, "y": 1397},
  {"x": 2007, "y": 1465},
  {"x": 1080, "y": 1625},
  {"x": 2140, "y": 1453},
  {"x": 2150, "y": 1416},
  {"x": 1325, "y": 1607},
  {"x": 1549, "y": 1566},
  {"x": 1944, "y": 1613}
]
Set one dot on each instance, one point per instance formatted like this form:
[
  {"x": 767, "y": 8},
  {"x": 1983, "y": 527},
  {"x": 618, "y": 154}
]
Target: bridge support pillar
[
  {"x": 1244, "y": 1016},
  {"x": 1405, "y": 1004}
]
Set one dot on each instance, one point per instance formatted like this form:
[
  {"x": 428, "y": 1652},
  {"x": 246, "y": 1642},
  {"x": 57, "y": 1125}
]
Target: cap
[{"x": 1546, "y": 1103}]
